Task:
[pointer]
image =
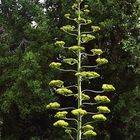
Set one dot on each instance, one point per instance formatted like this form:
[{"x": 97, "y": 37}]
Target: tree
[
  {"x": 83, "y": 129},
  {"x": 24, "y": 54}
]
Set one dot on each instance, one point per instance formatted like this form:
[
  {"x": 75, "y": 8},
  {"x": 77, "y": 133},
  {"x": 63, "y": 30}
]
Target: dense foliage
[{"x": 27, "y": 49}]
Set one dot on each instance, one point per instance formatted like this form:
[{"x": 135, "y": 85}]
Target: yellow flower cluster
[
  {"x": 61, "y": 114},
  {"x": 61, "y": 123},
  {"x": 55, "y": 65},
  {"x": 96, "y": 51},
  {"x": 53, "y": 105},
  {"x": 84, "y": 96},
  {"x": 70, "y": 61},
  {"x": 108, "y": 87},
  {"x": 68, "y": 28},
  {"x": 60, "y": 43},
  {"x": 88, "y": 127},
  {"x": 76, "y": 48},
  {"x": 57, "y": 83},
  {"x": 101, "y": 99},
  {"x": 64, "y": 91},
  {"x": 95, "y": 28},
  {"x": 101, "y": 61},
  {"x": 99, "y": 117},
  {"x": 87, "y": 37},
  {"x": 79, "y": 111},
  {"x": 90, "y": 133},
  {"x": 88, "y": 74},
  {"x": 103, "y": 109}
]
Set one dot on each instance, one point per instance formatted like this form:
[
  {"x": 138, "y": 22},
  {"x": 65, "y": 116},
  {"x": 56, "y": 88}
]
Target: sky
[{"x": 41, "y": 1}]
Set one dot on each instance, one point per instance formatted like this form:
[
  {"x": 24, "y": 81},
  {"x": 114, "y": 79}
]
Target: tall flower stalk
[{"x": 81, "y": 129}]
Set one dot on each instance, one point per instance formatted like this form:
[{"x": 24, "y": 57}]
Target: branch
[
  {"x": 94, "y": 91},
  {"x": 87, "y": 32},
  {"x": 90, "y": 103},
  {"x": 84, "y": 23},
  {"x": 70, "y": 128},
  {"x": 90, "y": 66},
  {"x": 71, "y": 136},
  {"x": 67, "y": 70},
  {"x": 70, "y": 33},
  {"x": 89, "y": 123},
  {"x": 87, "y": 54},
  {"x": 71, "y": 119},
  {"x": 67, "y": 108},
  {"x": 71, "y": 86},
  {"x": 91, "y": 113}
]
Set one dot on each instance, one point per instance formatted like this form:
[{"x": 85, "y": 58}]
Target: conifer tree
[{"x": 77, "y": 127}]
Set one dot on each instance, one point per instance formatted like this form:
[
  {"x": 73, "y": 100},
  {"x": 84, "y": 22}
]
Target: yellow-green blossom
[
  {"x": 67, "y": 15},
  {"x": 101, "y": 61},
  {"x": 55, "y": 65},
  {"x": 53, "y": 105},
  {"x": 108, "y": 87},
  {"x": 57, "y": 83},
  {"x": 70, "y": 61},
  {"x": 61, "y": 123},
  {"x": 96, "y": 51},
  {"x": 68, "y": 28},
  {"x": 99, "y": 117},
  {"x": 64, "y": 91},
  {"x": 88, "y": 74},
  {"x": 84, "y": 96},
  {"x": 90, "y": 133},
  {"x": 68, "y": 131},
  {"x": 79, "y": 111},
  {"x": 103, "y": 109},
  {"x": 95, "y": 28},
  {"x": 60, "y": 43},
  {"x": 76, "y": 48},
  {"x": 88, "y": 127},
  {"x": 61, "y": 114},
  {"x": 87, "y": 37},
  {"x": 101, "y": 99}
]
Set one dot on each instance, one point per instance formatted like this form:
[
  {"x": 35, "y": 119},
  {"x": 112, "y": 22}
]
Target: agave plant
[{"x": 81, "y": 129}]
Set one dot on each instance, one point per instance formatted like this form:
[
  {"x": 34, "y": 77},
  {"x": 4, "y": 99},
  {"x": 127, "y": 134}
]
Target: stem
[
  {"x": 94, "y": 91},
  {"x": 67, "y": 70},
  {"x": 90, "y": 66},
  {"x": 72, "y": 86},
  {"x": 70, "y": 33},
  {"x": 89, "y": 123},
  {"x": 72, "y": 128},
  {"x": 71, "y": 119},
  {"x": 91, "y": 103},
  {"x": 87, "y": 54},
  {"x": 67, "y": 108},
  {"x": 91, "y": 113},
  {"x": 79, "y": 118},
  {"x": 71, "y": 136}
]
